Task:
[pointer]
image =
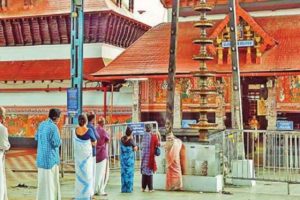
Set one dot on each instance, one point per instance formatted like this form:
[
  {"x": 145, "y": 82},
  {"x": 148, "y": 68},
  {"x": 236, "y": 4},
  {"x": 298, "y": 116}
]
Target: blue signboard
[
  {"x": 185, "y": 123},
  {"x": 137, "y": 128},
  {"x": 241, "y": 43},
  {"x": 72, "y": 100},
  {"x": 285, "y": 125}
]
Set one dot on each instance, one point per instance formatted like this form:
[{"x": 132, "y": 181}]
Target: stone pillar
[
  {"x": 220, "y": 114},
  {"x": 177, "y": 117},
  {"x": 271, "y": 105},
  {"x": 136, "y": 107}
]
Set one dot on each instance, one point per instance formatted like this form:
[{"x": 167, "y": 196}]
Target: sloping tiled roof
[
  {"x": 149, "y": 55},
  {"x": 51, "y": 7},
  {"x": 44, "y": 69},
  {"x": 191, "y": 3},
  {"x": 221, "y": 6}
]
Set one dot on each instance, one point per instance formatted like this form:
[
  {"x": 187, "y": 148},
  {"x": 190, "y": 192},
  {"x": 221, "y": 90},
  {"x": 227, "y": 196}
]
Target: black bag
[{"x": 157, "y": 151}]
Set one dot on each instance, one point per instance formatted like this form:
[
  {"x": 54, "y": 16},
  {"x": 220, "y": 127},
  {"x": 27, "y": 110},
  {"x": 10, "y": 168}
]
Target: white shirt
[{"x": 4, "y": 143}]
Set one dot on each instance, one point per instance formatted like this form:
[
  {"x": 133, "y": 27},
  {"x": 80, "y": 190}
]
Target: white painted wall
[
  {"x": 57, "y": 52},
  {"x": 90, "y": 98},
  {"x": 154, "y": 13}
]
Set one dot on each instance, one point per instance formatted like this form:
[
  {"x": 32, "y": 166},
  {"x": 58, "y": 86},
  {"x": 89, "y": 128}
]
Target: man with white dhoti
[
  {"x": 48, "y": 140},
  {"x": 102, "y": 165},
  {"x": 4, "y": 146}
]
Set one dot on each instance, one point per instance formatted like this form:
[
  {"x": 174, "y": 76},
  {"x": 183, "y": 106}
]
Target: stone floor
[{"x": 21, "y": 171}]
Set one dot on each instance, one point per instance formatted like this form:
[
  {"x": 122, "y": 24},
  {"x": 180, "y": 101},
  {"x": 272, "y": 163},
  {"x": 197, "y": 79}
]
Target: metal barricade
[
  {"x": 116, "y": 131},
  {"x": 262, "y": 155},
  {"x": 67, "y": 151}
]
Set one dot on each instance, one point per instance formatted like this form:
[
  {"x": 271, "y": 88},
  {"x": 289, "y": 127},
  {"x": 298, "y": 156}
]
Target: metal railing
[
  {"x": 261, "y": 155},
  {"x": 115, "y": 131},
  {"x": 67, "y": 151}
]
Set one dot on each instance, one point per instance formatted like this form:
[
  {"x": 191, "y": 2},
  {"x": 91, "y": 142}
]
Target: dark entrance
[{"x": 253, "y": 90}]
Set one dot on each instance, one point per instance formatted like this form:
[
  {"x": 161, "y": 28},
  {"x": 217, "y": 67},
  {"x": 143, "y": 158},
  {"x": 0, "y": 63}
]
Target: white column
[
  {"x": 220, "y": 112},
  {"x": 136, "y": 107},
  {"x": 271, "y": 106},
  {"x": 177, "y": 117}
]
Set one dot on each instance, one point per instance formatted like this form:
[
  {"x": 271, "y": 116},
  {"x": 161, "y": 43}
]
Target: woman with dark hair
[
  {"x": 83, "y": 142},
  {"x": 48, "y": 142},
  {"x": 128, "y": 147}
]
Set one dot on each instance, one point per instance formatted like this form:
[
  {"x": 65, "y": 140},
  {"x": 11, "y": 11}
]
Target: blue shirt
[
  {"x": 48, "y": 139},
  {"x": 94, "y": 136}
]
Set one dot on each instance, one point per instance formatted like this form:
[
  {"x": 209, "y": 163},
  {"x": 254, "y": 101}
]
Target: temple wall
[
  {"x": 27, "y": 110},
  {"x": 57, "y": 52}
]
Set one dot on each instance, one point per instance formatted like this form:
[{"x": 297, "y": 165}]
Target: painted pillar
[
  {"x": 136, "y": 107},
  {"x": 271, "y": 105},
  {"x": 220, "y": 114},
  {"x": 177, "y": 117}
]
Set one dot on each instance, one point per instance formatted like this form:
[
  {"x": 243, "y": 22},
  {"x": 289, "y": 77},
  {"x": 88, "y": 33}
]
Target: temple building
[
  {"x": 35, "y": 58},
  {"x": 269, "y": 44}
]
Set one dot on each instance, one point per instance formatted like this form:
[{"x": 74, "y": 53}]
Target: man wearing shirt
[
  {"x": 48, "y": 140},
  {"x": 4, "y": 146},
  {"x": 91, "y": 125}
]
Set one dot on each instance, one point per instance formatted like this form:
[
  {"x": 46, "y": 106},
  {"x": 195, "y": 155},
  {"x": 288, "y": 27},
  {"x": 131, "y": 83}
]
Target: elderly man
[{"x": 4, "y": 146}]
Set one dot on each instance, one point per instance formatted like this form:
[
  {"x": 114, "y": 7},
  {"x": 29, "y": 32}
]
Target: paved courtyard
[{"x": 21, "y": 174}]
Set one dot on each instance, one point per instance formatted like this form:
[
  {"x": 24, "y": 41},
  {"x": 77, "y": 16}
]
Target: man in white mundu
[
  {"x": 48, "y": 159},
  {"x": 102, "y": 163},
  {"x": 4, "y": 146}
]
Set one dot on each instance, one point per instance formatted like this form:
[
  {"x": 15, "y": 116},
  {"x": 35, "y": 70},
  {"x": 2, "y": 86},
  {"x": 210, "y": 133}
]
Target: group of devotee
[{"x": 91, "y": 157}]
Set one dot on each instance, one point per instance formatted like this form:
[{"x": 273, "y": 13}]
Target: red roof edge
[{"x": 269, "y": 41}]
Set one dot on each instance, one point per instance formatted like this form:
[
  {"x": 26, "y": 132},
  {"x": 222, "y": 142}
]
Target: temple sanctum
[{"x": 269, "y": 44}]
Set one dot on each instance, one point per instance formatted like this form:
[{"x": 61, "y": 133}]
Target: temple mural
[
  {"x": 154, "y": 91},
  {"x": 288, "y": 89},
  {"x": 23, "y": 121}
]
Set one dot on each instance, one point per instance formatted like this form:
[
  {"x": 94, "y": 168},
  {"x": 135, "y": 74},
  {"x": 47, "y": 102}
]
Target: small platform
[{"x": 192, "y": 183}]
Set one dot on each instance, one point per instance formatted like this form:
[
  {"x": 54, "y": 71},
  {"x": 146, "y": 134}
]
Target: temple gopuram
[
  {"x": 269, "y": 44},
  {"x": 35, "y": 58}
]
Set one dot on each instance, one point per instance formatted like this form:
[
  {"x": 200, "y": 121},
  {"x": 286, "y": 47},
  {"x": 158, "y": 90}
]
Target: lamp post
[{"x": 77, "y": 37}]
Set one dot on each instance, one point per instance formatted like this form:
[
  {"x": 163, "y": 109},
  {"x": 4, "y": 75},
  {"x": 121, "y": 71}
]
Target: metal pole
[
  {"x": 105, "y": 103},
  {"x": 172, "y": 63},
  {"x": 77, "y": 36},
  {"x": 236, "y": 101}
]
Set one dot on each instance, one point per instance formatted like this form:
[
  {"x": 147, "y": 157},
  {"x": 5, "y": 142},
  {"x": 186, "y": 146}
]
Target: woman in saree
[
  {"x": 175, "y": 160},
  {"x": 83, "y": 142},
  {"x": 128, "y": 147}
]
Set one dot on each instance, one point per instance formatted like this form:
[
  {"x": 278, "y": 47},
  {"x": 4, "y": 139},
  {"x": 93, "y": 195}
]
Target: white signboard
[{"x": 241, "y": 43}]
